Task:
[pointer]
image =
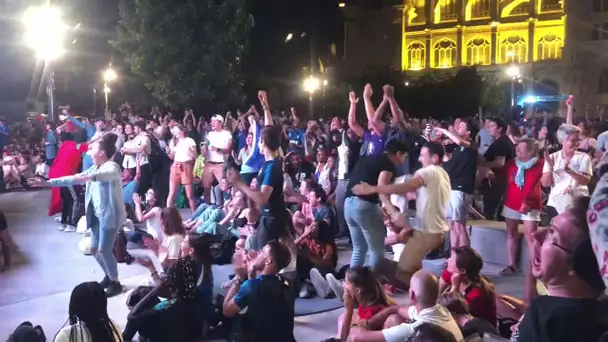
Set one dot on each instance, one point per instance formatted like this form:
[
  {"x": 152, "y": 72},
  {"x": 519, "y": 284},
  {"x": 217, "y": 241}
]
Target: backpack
[{"x": 157, "y": 157}]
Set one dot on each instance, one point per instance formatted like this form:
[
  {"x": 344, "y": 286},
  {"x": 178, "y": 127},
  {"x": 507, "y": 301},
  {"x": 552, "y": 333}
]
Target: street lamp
[
  {"x": 311, "y": 84},
  {"x": 514, "y": 73},
  {"x": 45, "y": 34},
  {"x": 109, "y": 75}
]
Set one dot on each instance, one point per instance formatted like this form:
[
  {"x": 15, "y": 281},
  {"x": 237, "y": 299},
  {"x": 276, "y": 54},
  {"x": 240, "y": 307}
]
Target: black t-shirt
[
  {"x": 416, "y": 142},
  {"x": 501, "y": 147},
  {"x": 304, "y": 171},
  {"x": 478, "y": 326},
  {"x": 368, "y": 170},
  {"x": 335, "y": 139},
  {"x": 354, "y": 146},
  {"x": 462, "y": 168},
  {"x": 558, "y": 319}
]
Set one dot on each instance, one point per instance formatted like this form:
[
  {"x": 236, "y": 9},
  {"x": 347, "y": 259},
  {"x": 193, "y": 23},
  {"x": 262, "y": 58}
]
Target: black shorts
[{"x": 270, "y": 227}]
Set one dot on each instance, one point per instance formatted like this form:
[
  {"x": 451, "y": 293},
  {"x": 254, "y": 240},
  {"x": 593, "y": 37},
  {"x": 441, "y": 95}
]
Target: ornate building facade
[{"x": 558, "y": 45}]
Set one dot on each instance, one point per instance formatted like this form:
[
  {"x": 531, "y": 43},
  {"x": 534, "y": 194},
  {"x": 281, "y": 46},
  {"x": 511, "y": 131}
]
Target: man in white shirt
[
  {"x": 219, "y": 143},
  {"x": 432, "y": 186},
  {"x": 423, "y": 294}
]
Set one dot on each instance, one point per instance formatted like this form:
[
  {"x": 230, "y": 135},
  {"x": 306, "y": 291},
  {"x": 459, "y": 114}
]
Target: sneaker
[
  {"x": 61, "y": 227},
  {"x": 319, "y": 283},
  {"x": 335, "y": 285},
  {"x": 304, "y": 291},
  {"x": 69, "y": 228},
  {"x": 113, "y": 289},
  {"x": 105, "y": 282},
  {"x": 57, "y": 219}
]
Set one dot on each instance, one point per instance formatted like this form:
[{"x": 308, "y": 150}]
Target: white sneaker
[
  {"x": 57, "y": 219},
  {"x": 320, "y": 284},
  {"x": 61, "y": 227},
  {"x": 69, "y": 229},
  {"x": 336, "y": 285}
]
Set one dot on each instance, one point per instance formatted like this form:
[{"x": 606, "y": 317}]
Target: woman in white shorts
[{"x": 522, "y": 199}]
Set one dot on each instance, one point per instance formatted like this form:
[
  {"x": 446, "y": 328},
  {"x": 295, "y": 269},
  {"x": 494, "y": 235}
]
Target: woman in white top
[
  {"x": 182, "y": 150},
  {"x": 89, "y": 321},
  {"x": 566, "y": 171},
  {"x": 150, "y": 215}
]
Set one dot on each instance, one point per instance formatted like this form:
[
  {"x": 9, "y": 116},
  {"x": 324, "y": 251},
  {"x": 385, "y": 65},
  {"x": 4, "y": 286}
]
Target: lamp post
[
  {"x": 109, "y": 75},
  {"x": 513, "y": 72},
  {"x": 45, "y": 33}
]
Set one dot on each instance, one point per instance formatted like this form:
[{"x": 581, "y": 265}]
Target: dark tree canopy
[{"x": 186, "y": 52}]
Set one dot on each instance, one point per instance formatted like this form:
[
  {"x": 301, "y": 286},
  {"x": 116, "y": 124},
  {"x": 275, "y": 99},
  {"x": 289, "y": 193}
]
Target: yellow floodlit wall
[{"x": 472, "y": 32}]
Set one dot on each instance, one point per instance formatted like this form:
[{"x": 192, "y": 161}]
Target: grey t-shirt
[
  {"x": 485, "y": 140},
  {"x": 602, "y": 142}
]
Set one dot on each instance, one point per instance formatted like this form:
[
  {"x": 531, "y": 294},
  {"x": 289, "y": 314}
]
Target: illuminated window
[
  {"x": 513, "y": 49},
  {"x": 477, "y": 9},
  {"x": 478, "y": 52},
  {"x": 416, "y": 13},
  {"x": 549, "y": 47},
  {"x": 416, "y": 56},
  {"x": 550, "y": 5},
  {"x": 445, "y": 54},
  {"x": 602, "y": 86},
  {"x": 445, "y": 10}
]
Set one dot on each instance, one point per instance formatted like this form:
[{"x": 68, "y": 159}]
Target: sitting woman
[
  {"x": 161, "y": 254},
  {"x": 303, "y": 217},
  {"x": 219, "y": 219},
  {"x": 88, "y": 318},
  {"x": 182, "y": 316},
  {"x": 469, "y": 325},
  {"x": 150, "y": 215},
  {"x": 363, "y": 292},
  {"x": 208, "y": 212},
  {"x": 41, "y": 170},
  {"x": 317, "y": 251},
  {"x": 19, "y": 170},
  {"x": 463, "y": 276}
]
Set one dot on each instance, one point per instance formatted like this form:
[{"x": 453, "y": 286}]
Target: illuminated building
[{"x": 557, "y": 44}]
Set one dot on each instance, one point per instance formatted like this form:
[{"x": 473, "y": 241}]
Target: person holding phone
[{"x": 182, "y": 150}]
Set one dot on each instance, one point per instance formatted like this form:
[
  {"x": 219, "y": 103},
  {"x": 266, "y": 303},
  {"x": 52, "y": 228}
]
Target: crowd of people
[{"x": 272, "y": 196}]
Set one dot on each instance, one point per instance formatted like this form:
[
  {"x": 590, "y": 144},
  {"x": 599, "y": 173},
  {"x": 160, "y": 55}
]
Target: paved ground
[{"x": 38, "y": 288}]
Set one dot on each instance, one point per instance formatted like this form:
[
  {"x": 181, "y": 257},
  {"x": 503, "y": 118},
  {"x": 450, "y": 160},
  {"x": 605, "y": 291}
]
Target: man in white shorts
[{"x": 461, "y": 168}]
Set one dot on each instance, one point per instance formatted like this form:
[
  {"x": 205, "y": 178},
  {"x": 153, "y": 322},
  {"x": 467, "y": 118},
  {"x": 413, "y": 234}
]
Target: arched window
[
  {"x": 445, "y": 54},
  {"x": 602, "y": 86},
  {"x": 549, "y": 47},
  {"x": 416, "y": 56},
  {"x": 513, "y": 49},
  {"x": 479, "y": 52}
]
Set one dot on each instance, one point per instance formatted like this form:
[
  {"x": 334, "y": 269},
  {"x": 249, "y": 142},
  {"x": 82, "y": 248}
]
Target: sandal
[{"x": 509, "y": 270}]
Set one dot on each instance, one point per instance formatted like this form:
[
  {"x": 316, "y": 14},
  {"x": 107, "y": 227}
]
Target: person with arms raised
[{"x": 273, "y": 223}]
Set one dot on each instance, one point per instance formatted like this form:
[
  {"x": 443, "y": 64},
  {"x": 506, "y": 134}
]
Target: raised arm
[
  {"x": 398, "y": 117},
  {"x": 352, "y": 115},
  {"x": 263, "y": 97},
  {"x": 570, "y": 109}
]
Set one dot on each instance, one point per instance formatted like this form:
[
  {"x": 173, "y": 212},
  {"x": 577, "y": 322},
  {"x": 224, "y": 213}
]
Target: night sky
[{"x": 269, "y": 54}]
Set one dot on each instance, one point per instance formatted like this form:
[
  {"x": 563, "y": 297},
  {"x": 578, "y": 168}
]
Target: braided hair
[{"x": 88, "y": 308}]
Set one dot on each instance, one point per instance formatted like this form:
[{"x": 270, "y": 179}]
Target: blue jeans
[
  {"x": 367, "y": 231},
  {"x": 102, "y": 248}
]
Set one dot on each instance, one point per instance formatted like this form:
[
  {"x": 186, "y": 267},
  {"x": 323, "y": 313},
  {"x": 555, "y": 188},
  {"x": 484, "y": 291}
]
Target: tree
[
  {"x": 186, "y": 52},
  {"x": 493, "y": 98}
]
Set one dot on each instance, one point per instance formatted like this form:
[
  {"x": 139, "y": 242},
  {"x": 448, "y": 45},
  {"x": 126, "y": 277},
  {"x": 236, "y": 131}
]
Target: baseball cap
[{"x": 218, "y": 118}]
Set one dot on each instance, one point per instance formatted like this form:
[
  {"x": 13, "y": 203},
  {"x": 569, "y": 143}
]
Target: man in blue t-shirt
[
  {"x": 296, "y": 135},
  {"x": 269, "y": 300}
]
